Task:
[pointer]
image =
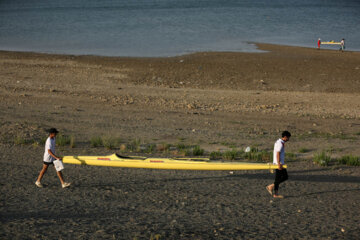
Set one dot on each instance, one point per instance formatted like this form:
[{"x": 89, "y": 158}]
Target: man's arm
[
  {"x": 278, "y": 160},
  {"x": 53, "y": 155}
]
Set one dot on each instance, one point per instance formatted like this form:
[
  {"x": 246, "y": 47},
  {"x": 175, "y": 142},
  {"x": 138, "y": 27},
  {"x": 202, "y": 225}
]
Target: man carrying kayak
[{"x": 279, "y": 159}]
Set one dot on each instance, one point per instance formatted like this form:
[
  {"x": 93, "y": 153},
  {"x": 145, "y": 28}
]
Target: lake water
[{"x": 173, "y": 27}]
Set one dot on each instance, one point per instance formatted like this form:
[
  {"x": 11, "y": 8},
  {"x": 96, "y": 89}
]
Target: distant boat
[{"x": 332, "y": 42}]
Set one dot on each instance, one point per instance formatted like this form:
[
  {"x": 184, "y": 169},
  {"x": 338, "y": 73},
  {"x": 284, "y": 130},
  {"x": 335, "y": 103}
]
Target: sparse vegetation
[
  {"x": 229, "y": 144},
  {"x": 230, "y": 154},
  {"x": 18, "y": 140},
  {"x": 187, "y": 152},
  {"x": 109, "y": 142},
  {"x": 62, "y": 140},
  {"x": 326, "y": 136},
  {"x": 259, "y": 156},
  {"x": 303, "y": 150},
  {"x": 72, "y": 142},
  {"x": 290, "y": 157},
  {"x": 42, "y": 140},
  {"x": 349, "y": 160},
  {"x": 197, "y": 151},
  {"x": 36, "y": 142},
  {"x": 151, "y": 148},
  {"x": 96, "y": 142},
  {"x": 134, "y": 145},
  {"x": 164, "y": 147},
  {"x": 322, "y": 159},
  {"x": 181, "y": 146},
  {"x": 215, "y": 155}
]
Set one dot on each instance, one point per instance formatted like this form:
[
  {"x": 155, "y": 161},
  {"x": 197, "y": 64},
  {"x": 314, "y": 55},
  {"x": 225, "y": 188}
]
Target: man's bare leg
[
  {"x": 270, "y": 189},
  {"x": 42, "y": 172},
  {"x": 278, "y": 196},
  {"x": 63, "y": 183},
  {"x": 60, "y": 177}
]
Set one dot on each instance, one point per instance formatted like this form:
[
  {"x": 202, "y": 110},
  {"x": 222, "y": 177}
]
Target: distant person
[
  {"x": 319, "y": 43},
  {"x": 50, "y": 158},
  {"x": 279, "y": 159},
  {"x": 342, "y": 44}
]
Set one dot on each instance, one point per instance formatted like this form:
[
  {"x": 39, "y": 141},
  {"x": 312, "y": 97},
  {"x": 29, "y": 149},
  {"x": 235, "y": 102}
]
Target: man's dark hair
[
  {"x": 53, "y": 130},
  {"x": 286, "y": 134}
]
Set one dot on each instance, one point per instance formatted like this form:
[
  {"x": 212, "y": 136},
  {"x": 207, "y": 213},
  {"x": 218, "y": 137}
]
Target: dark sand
[
  {"x": 115, "y": 203},
  {"x": 211, "y": 99}
]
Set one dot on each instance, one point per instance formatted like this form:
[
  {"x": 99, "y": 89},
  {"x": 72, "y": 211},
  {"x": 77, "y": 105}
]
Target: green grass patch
[
  {"x": 72, "y": 143},
  {"x": 186, "y": 152},
  {"x": 322, "y": 159},
  {"x": 259, "y": 156},
  {"x": 181, "y": 146},
  {"x": 230, "y": 154},
  {"x": 96, "y": 142},
  {"x": 303, "y": 150},
  {"x": 163, "y": 147},
  {"x": 18, "y": 140},
  {"x": 215, "y": 155},
  {"x": 151, "y": 148},
  {"x": 134, "y": 145},
  {"x": 349, "y": 160},
  {"x": 290, "y": 157},
  {"x": 62, "y": 140},
  {"x": 43, "y": 140},
  {"x": 38, "y": 142},
  {"x": 109, "y": 142},
  {"x": 229, "y": 144},
  {"x": 197, "y": 151}
]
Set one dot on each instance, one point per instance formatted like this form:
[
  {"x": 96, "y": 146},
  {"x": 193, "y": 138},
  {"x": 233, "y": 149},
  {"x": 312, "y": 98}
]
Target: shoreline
[{"x": 256, "y": 44}]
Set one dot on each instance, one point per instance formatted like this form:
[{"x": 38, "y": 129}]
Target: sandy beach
[{"x": 215, "y": 100}]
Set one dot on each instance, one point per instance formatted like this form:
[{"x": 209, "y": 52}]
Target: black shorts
[{"x": 48, "y": 163}]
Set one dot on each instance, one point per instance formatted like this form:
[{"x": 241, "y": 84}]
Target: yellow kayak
[
  {"x": 331, "y": 42},
  {"x": 116, "y": 160}
]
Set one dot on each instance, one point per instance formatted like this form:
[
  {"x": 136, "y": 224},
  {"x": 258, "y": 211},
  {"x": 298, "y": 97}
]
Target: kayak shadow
[
  {"x": 234, "y": 177},
  {"x": 306, "y": 177},
  {"x": 323, "y": 192}
]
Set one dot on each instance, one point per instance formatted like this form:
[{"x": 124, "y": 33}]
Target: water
[{"x": 173, "y": 27}]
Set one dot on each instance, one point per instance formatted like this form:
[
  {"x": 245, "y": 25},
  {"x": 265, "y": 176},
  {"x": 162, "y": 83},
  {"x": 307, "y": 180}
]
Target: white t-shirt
[
  {"x": 50, "y": 144},
  {"x": 279, "y": 146}
]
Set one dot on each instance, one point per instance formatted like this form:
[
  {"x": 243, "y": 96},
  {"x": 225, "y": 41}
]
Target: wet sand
[{"x": 211, "y": 99}]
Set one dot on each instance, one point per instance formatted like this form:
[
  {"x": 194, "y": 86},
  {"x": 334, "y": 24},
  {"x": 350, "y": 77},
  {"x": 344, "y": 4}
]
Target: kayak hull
[
  {"x": 165, "y": 163},
  {"x": 331, "y": 43}
]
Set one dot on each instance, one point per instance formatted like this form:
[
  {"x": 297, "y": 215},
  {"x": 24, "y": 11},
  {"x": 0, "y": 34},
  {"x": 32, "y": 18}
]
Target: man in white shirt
[
  {"x": 342, "y": 44},
  {"x": 49, "y": 158},
  {"x": 279, "y": 159}
]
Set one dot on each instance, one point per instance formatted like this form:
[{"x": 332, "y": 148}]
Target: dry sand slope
[
  {"x": 208, "y": 97},
  {"x": 211, "y": 99}
]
